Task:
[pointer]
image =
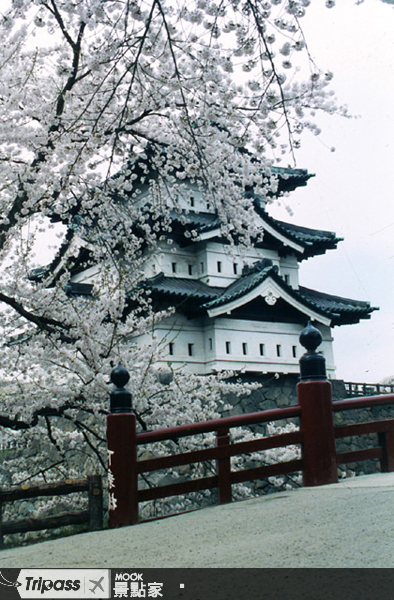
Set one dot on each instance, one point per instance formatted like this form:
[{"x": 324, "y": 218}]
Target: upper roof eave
[
  {"x": 304, "y": 241},
  {"x": 290, "y": 179},
  {"x": 313, "y": 241}
]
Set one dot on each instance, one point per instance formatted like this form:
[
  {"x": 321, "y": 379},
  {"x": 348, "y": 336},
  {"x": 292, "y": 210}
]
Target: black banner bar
[{"x": 233, "y": 584}]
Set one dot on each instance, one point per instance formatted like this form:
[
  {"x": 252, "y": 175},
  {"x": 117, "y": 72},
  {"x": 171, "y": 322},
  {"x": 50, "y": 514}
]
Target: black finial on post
[
  {"x": 120, "y": 398},
  {"x": 312, "y": 363}
]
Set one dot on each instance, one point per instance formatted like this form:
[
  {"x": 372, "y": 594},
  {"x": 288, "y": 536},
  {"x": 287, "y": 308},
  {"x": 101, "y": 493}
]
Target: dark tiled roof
[
  {"x": 305, "y": 235},
  {"x": 341, "y": 311},
  {"x": 290, "y": 179},
  {"x": 79, "y": 289},
  {"x": 287, "y": 172},
  {"x": 181, "y": 288},
  {"x": 199, "y": 221},
  {"x": 314, "y": 241}
]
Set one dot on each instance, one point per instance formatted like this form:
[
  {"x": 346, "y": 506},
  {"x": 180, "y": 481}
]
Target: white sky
[{"x": 352, "y": 193}]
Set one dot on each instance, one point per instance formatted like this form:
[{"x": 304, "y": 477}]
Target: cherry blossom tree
[{"x": 91, "y": 92}]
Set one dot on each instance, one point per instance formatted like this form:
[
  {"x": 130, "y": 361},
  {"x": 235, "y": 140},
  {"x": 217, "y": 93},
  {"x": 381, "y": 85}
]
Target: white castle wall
[
  {"x": 215, "y": 264},
  {"x": 203, "y": 346}
]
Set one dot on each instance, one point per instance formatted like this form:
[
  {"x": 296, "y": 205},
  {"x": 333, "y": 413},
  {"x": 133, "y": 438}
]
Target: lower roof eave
[{"x": 337, "y": 322}]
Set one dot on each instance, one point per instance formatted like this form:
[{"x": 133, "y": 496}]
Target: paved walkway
[{"x": 344, "y": 525}]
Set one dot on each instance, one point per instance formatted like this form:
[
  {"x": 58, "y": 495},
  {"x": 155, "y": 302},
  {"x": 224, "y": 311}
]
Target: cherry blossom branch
[
  {"x": 254, "y": 10},
  {"x": 51, "y": 326},
  {"x": 18, "y": 424}
]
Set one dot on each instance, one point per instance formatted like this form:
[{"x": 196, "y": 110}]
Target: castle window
[
  {"x": 294, "y": 351},
  {"x": 244, "y": 348},
  {"x": 173, "y": 266},
  {"x": 210, "y": 342},
  {"x": 235, "y": 268},
  {"x": 190, "y": 267},
  {"x": 192, "y": 202},
  {"x": 278, "y": 350},
  {"x": 287, "y": 279},
  {"x": 262, "y": 350},
  {"x": 171, "y": 348},
  {"x": 219, "y": 266},
  {"x": 190, "y": 348},
  {"x": 202, "y": 267},
  {"x": 228, "y": 347}
]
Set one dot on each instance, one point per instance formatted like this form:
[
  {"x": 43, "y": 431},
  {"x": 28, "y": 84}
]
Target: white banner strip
[{"x": 64, "y": 583}]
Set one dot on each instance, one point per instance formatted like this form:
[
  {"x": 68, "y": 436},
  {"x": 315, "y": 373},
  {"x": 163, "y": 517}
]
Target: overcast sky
[{"x": 352, "y": 192}]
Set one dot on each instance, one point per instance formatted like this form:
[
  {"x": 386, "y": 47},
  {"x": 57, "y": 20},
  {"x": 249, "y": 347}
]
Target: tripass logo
[
  {"x": 62, "y": 583},
  {"x": 47, "y": 585}
]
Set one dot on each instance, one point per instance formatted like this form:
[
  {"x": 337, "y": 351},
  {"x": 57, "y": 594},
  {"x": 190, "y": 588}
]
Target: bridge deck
[{"x": 349, "y": 524}]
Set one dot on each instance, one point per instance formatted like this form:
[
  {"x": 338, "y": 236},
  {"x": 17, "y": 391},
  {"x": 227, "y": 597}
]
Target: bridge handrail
[
  {"x": 92, "y": 516},
  {"x": 265, "y": 416},
  {"x": 362, "y": 402}
]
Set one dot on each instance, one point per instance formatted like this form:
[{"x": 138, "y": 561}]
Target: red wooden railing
[
  {"x": 318, "y": 462},
  {"x": 221, "y": 453},
  {"x": 384, "y": 452},
  {"x": 123, "y": 454}
]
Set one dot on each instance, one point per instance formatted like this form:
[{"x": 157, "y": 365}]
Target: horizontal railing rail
[
  {"x": 92, "y": 516},
  {"x": 276, "y": 414},
  {"x": 363, "y": 402}
]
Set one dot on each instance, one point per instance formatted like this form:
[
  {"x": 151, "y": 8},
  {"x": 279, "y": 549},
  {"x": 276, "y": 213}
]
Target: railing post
[
  {"x": 317, "y": 421},
  {"x": 224, "y": 468},
  {"x": 95, "y": 502},
  {"x": 386, "y": 441},
  {"x": 122, "y": 454}
]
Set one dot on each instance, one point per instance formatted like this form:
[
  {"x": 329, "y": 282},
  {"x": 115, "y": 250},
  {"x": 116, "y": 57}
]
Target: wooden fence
[
  {"x": 367, "y": 389},
  {"x": 92, "y": 516}
]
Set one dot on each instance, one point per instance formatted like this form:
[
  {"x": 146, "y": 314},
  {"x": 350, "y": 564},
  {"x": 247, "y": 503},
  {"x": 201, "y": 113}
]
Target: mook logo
[{"x": 64, "y": 583}]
